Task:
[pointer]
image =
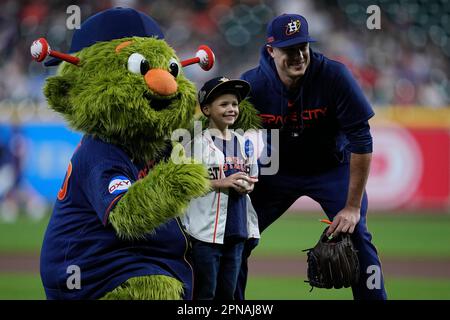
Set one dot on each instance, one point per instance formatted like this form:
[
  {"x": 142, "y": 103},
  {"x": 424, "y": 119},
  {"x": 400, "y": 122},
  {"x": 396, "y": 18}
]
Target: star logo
[{"x": 293, "y": 27}]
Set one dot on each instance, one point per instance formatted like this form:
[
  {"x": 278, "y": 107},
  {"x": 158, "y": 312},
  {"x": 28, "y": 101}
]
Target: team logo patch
[
  {"x": 293, "y": 27},
  {"x": 119, "y": 184},
  {"x": 248, "y": 148}
]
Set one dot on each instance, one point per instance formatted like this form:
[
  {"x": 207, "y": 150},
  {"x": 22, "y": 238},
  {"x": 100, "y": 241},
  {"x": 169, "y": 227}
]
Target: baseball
[{"x": 244, "y": 183}]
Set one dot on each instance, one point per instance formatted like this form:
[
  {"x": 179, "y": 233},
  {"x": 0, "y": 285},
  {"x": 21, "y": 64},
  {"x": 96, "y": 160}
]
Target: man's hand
[{"x": 345, "y": 221}]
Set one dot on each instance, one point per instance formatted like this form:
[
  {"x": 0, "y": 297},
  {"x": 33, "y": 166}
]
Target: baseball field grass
[
  {"x": 395, "y": 235},
  {"x": 405, "y": 238},
  {"x": 29, "y": 287}
]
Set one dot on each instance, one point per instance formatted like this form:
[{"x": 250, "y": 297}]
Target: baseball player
[{"x": 325, "y": 143}]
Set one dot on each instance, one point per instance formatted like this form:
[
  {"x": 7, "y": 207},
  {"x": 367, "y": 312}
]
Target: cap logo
[
  {"x": 223, "y": 79},
  {"x": 293, "y": 27}
]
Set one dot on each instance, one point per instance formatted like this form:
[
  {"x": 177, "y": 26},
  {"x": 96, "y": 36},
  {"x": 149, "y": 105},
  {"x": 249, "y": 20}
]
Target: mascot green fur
[{"x": 115, "y": 232}]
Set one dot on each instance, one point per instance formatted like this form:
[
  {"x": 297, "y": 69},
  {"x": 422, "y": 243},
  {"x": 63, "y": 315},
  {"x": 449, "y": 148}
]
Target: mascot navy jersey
[{"x": 79, "y": 235}]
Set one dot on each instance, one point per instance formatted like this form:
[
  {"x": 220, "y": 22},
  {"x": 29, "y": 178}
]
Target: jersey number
[{"x": 63, "y": 191}]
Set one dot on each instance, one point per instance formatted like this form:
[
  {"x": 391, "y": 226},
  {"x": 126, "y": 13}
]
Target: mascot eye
[
  {"x": 174, "y": 67},
  {"x": 138, "y": 64}
]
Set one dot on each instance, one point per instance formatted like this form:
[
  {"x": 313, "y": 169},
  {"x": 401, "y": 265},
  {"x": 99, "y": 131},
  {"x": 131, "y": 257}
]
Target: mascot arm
[
  {"x": 248, "y": 117},
  {"x": 163, "y": 194}
]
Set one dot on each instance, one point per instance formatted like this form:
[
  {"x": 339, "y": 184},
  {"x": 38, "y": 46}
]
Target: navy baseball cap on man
[
  {"x": 288, "y": 30},
  {"x": 115, "y": 23},
  {"x": 222, "y": 84}
]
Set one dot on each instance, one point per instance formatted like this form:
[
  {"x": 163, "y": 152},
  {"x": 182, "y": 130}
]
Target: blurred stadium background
[{"x": 403, "y": 69}]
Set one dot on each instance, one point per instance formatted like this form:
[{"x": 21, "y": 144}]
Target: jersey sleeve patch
[
  {"x": 249, "y": 150},
  {"x": 119, "y": 184}
]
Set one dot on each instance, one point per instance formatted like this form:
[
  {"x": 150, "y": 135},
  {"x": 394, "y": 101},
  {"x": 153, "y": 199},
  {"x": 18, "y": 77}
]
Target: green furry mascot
[{"x": 115, "y": 232}]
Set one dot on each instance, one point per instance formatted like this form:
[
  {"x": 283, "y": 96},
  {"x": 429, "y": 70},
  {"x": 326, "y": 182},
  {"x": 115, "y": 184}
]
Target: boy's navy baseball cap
[
  {"x": 288, "y": 30},
  {"x": 222, "y": 84},
  {"x": 115, "y": 23}
]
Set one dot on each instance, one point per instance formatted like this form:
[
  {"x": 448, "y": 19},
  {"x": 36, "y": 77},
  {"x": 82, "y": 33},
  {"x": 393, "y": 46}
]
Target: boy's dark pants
[{"x": 216, "y": 269}]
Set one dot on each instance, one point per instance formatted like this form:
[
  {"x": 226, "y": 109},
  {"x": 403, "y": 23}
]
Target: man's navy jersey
[
  {"x": 320, "y": 122},
  {"x": 79, "y": 235},
  {"x": 236, "y": 225}
]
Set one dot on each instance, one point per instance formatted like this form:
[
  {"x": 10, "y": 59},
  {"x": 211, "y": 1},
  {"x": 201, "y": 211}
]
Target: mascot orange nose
[{"x": 161, "y": 82}]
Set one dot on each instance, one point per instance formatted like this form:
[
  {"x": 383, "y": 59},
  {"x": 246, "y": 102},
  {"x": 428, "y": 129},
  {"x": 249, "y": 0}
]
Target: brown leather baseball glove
[{"x": 333, "y": 263}]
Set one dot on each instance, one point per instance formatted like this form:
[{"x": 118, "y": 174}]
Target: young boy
[{"x": 221, "y": 221}]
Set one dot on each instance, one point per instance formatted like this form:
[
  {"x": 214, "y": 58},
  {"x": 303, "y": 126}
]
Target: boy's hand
[
  {"x": 248, "y": 184},
  {"x": 240, "y": 182}
]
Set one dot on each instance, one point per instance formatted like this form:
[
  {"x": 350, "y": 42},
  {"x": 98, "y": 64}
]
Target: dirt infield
[
  {"x": 19, "y": 263},
  {"x": 269, "y": 266},
  {"x": 289, "y": 266}
]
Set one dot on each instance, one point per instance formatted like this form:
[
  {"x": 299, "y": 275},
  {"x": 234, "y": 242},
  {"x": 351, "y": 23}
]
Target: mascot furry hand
[{"x": 115, "y": 232}]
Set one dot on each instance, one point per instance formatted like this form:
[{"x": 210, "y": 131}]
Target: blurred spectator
[
  {"x": 6, "y": 167},
  {"x": 16, "y": 195}
]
